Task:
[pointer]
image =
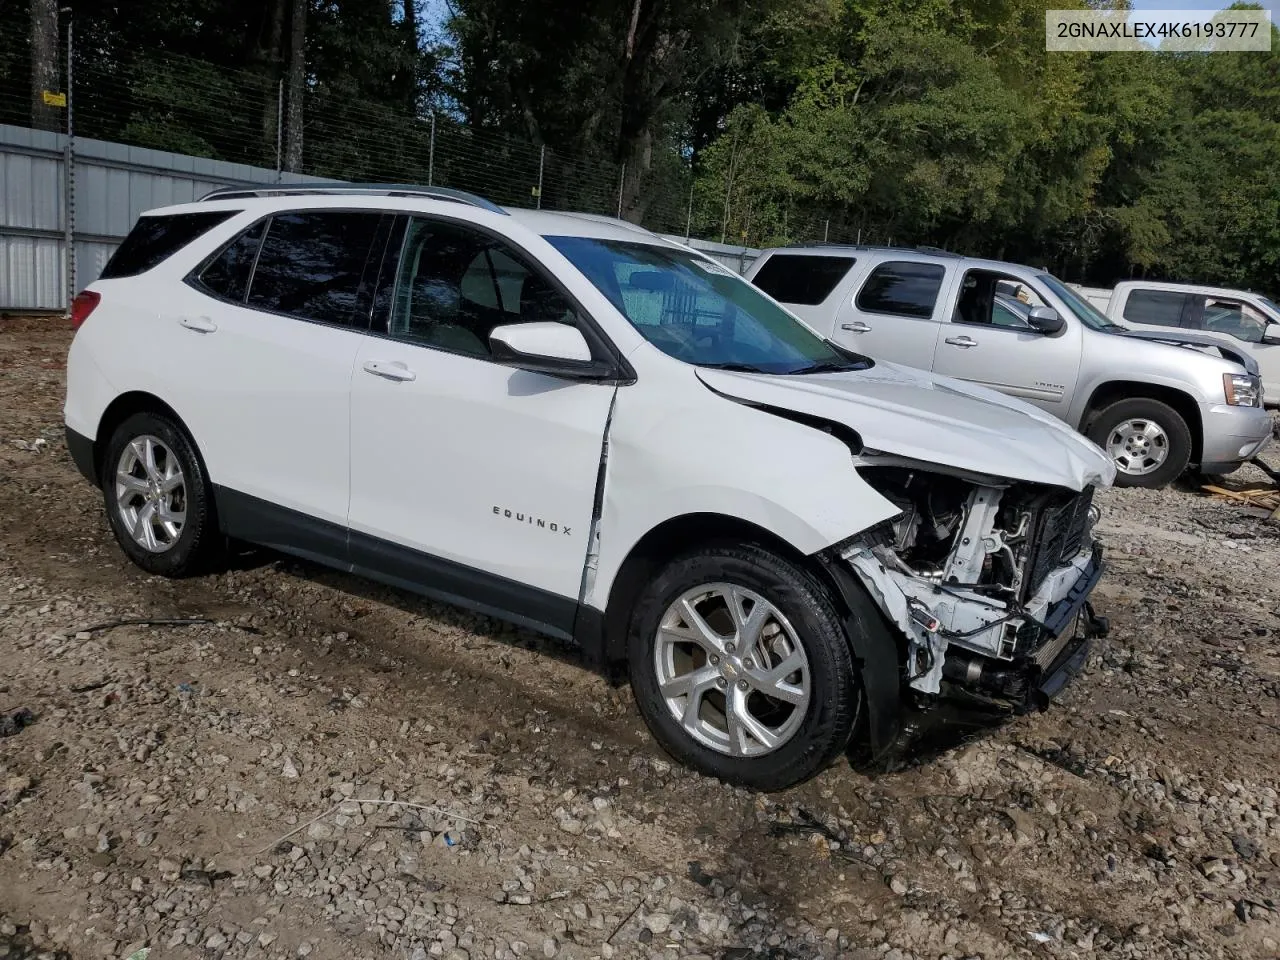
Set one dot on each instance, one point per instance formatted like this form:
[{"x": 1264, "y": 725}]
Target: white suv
[{"x": 570, "y": 423}]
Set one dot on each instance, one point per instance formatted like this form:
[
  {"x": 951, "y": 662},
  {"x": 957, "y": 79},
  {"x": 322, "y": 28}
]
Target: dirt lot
[{"x": 329, "y": 769}]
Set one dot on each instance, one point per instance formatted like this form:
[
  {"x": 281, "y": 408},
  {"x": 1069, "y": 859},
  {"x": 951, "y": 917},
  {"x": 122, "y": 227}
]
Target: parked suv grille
[{"x": 1060, "y": 529}]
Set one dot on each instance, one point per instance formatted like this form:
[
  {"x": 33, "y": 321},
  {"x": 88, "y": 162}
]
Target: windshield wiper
[
  {"x": 735, "y": 367},
  {"x": 829, "y": 366}
]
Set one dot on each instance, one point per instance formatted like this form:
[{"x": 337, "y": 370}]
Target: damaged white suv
[{"x": 570, "y": 423}]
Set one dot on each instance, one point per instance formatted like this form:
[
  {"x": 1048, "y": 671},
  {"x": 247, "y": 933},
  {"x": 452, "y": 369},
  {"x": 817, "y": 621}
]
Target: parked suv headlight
[{"x": 1242, "y": 390}]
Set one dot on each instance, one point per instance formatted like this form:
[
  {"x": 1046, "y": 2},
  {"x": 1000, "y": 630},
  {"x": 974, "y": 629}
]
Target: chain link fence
[
  {"x": 192, "y": 107},
  {"x": 174, "y": 103}
]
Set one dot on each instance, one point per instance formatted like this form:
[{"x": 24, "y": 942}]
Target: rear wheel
[
  {"x": 741, "y": 669},
  {"x": 1148, "y": 441},
  {"x": 158, "y": 499}
]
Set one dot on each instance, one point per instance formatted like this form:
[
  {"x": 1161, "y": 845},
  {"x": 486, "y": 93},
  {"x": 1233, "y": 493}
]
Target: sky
[{"x": 1272, "y": 5}]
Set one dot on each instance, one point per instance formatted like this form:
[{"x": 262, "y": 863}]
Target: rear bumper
[
  {"x": 1232, "y": 435},
  {"x": 82, "y": 455}
]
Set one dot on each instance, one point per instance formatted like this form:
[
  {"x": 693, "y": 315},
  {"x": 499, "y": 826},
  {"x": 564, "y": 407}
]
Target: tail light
[{"x": 82, "y": 306}]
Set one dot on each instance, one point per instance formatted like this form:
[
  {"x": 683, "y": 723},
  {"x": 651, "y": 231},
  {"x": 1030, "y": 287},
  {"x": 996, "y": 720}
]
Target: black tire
[
  {"x": 835, "y": 697},
  {"x": 1107, "y": 420},
  {"x": 198, "y": 544}
]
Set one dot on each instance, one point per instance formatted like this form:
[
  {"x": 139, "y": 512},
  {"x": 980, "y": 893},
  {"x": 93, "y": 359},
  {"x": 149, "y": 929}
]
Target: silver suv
[{"x": 1157, "y": 401}]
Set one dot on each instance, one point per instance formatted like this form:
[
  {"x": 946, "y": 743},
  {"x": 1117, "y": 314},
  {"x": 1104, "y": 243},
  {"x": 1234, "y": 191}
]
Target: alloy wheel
[
  {"x": 1138, "y": 446},
  {"x": 151, "y": 493},
  {"x": 732, "y": 670}
]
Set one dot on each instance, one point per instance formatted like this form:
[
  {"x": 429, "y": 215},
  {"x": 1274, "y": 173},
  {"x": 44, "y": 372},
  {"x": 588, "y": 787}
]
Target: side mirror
[
  {"x": 547, "y": 347},
  {"x": 1271, "y": 333},
  {"x": 1045, "y": 320}
]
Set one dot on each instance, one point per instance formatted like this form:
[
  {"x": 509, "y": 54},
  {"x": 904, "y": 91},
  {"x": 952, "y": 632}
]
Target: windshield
[
  {"x": 700, "y": 312},
  {"x": 1271, "y": 305},
  {"x": 1089, "y": 315}
]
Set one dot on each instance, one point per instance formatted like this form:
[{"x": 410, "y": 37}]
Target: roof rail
[{"x": 343, "y": 189}]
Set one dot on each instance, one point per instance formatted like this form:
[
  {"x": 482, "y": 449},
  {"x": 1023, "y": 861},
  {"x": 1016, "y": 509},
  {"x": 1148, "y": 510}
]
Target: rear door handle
[
  {"x": 389, "y": 370},
  {"x": 199, "y": 324},
  {"x": 965, "y": 342},
  {"x": 856, "y": 327}
]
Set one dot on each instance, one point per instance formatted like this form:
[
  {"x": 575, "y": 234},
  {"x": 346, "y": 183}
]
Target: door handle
[
  {"x": 856, "y": 327},
  {"x": 965, "y": 342},
  {"x": 389, "y": 370},
  {"x": 199, "y": 324}
]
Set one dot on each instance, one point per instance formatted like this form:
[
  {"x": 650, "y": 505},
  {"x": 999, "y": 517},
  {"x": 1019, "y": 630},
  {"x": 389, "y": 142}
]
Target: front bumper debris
[{"x": 962, "y": 642}]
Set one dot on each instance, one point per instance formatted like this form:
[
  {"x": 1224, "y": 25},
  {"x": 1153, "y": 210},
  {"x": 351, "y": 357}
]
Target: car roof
[
  {"x": 1169, "y": 287},
  {"x": 547, "y": 223},
  {"x": 553, "y": 223},
  {"x": 923, "y": 254}
]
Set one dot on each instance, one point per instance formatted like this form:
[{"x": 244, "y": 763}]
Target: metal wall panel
[
  {"x": 735, "y": 258},
  {"x": 30, "y": 191},
  {"x": 31, "y": 272},
  {"x": 114, "y": 183}
]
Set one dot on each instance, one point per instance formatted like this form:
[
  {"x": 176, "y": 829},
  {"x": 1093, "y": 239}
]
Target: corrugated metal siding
[
  {"x": 737, "y": 259},
  {"x": 114, "y": 183},
  {"x": 31, "y": 272},
  {"x": 30, "y": 191}
]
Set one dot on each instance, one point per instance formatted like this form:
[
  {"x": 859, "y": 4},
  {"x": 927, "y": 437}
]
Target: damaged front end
[{"x": 987, "y": 580}]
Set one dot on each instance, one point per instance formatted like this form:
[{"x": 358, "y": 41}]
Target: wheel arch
[
  {"x": 121, "y": 409},
  {"x": 878, "y": 653},
  {"x": 669, "y": 539},
  {"x": 1113, "y": 391}
]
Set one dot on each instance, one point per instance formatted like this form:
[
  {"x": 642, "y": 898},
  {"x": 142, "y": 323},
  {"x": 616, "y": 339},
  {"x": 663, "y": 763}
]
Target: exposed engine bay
[{"x": 971, "y": 571}]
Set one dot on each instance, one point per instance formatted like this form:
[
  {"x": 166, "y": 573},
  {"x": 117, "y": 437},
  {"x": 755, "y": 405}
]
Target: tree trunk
[
  {"x": 411, "y": 40},
  {"x": 297, "y": 85},
  {"x": 44, "y": 64},
  {"x": 271, "y": 58}
]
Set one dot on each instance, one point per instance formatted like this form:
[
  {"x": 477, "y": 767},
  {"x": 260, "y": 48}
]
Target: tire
[
  {"x": 1166, "y": 431},
  {"x": 811, "y": 731},
  {"x": 172, "y": 549}
]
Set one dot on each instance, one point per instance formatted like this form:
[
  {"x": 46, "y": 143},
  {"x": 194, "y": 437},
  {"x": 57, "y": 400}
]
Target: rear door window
[
  {"x": 902, "y": 288},
  {"x": 804, "y": 279},
  {"x": 154, "y": 239},
  {"x": 315, "y": 265},
  {"x": 1157, "y": 308}
]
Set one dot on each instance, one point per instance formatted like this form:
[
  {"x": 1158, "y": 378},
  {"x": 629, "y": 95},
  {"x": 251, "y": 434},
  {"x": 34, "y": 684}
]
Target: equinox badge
[{"x": 531, "y": 520}]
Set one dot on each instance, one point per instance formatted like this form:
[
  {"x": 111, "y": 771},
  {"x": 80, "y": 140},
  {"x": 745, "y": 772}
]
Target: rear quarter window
[
  {"x": 802, "y": 278},
  {"x": 156, "y": 238},
  {"x": 227, "y": 274}
]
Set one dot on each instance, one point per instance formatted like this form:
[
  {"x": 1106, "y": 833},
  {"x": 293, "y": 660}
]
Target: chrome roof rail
[{"x": 351, "y": 189}]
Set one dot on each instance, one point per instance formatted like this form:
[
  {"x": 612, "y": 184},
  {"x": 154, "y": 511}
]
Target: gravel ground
[{"x": 323, "y": 768}]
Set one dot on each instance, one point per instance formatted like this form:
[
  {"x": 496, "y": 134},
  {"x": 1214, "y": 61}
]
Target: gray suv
[{"x": 1156, "y": 401}]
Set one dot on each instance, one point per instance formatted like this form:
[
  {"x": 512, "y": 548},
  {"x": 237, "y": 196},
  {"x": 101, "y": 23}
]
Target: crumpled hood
[
  {"x": 1193, "y": 341},
  {"x": 914, "y": 414}
]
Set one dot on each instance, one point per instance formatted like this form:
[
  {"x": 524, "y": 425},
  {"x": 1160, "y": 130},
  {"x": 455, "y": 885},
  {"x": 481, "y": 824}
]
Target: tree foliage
[{"x": 940, "y": 122}]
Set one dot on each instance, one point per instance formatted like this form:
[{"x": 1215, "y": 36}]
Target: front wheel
[
  {"x": 741, "y": 668},
  {"x": 1148, "y": 441}
]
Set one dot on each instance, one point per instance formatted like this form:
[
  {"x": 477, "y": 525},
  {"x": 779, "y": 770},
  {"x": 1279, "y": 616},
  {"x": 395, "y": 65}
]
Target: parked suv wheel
[
  {"x": 158, "y": 498},
  {"x": 1147, "y": 440},
  {"x": 741, "y": 669}
]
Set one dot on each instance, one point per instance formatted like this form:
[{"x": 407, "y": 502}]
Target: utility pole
[
  {"x": 69, "y": 172},
  {"x": 44, "y": 64}
]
